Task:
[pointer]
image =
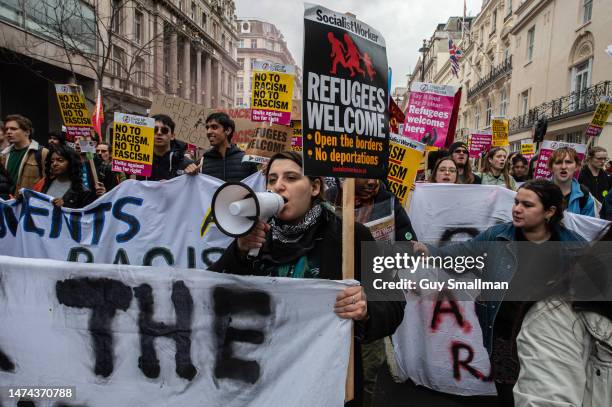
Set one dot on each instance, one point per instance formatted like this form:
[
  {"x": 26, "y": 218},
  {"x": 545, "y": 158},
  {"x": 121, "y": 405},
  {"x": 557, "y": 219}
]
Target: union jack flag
[{"x": 455, "y": 56}]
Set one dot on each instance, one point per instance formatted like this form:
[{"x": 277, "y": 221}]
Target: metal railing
[
  {"x": 573, "y": 104},
  {"x": 495, "y": 73}
]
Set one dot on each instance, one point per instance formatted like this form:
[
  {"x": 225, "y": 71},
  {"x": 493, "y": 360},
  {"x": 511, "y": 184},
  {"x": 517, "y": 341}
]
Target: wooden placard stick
[{"x": 348, "y": 268}]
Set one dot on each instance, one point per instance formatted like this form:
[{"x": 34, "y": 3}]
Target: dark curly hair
[
  {"x": 550, "y": 195},
  {"x": 74, "y": 166}
]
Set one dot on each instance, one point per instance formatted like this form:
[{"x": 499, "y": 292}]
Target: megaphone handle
[{"x": 253, "y": 252}]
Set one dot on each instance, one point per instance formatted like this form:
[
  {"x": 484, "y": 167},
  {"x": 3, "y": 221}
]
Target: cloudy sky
[{"x": 403, "y": 23}]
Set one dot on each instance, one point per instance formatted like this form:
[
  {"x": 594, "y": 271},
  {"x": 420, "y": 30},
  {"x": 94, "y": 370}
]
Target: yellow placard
[
  {"x": 74, "y": 111},
  {"x": 133, "y": 144},
  {"x": 500, "y": 130},
  {"x": 527, "y": 149},
  {"x": 404, "y": 159},
  {"x": 272, "y": 93},
  {"x": 602, "y": 112},
  {"x": 296, "y": 142}
]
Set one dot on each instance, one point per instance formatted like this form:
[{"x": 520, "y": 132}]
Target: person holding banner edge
[
  {"x": 304, "y": 241},
  {"x": 537, "y": 214}
]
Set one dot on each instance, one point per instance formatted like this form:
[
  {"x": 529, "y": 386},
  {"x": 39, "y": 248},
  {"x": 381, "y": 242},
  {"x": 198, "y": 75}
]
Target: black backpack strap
[
  {"x": 585, "y": 196},
  {"x": 38, "y": 157}
]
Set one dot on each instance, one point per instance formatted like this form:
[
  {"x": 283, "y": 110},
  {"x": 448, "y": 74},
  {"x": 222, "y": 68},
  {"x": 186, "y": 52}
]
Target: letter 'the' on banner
[{"x": 345, "y": 114}]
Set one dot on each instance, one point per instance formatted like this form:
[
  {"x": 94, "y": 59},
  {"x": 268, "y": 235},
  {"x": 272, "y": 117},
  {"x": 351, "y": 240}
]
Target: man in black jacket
[
  {"x": 224, "y": 159},
  {"x": 169, "y": 159}
]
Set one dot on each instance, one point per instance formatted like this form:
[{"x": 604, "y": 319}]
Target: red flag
[
  {"x": 396, "y": 116},
  {"x": 450, "y": 138},
  {"x": 97, "y": 117}
]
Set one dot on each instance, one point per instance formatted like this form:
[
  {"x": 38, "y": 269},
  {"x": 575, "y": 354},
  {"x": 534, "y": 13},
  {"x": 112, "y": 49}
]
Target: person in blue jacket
[
  {"x": 576, "y": 197},
  {"x": 521, "y": 248}
]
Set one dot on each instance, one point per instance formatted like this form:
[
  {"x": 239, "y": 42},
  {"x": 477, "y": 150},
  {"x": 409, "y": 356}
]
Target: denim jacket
[{"x": 500, "y": 266}]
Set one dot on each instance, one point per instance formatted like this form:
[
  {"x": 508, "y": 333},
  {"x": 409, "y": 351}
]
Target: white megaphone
[{"x": 236, "y": 209}]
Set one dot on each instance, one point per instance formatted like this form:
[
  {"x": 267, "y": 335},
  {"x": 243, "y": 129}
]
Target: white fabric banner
[
  {"x": 165, "y": 223},
  {"x": 439, "y": 344},
  {"x": 136, "y": 336}
]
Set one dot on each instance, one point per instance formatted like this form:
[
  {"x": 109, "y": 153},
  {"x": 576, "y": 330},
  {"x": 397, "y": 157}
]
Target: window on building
[
  {"x": 241, "y": 63},
  {"x": 138, "y": 26},
  {"x": 530, "y": 42},
  {"x": 503, "y": 103},
  {"x": 481, "y": 36},
  {"x": 117, "y": 16},
  {"x": 270, "y": 45},
  {"x": 118, "y": 64},
  {"x": 524, "y": 102},
  {"x": 204, "y": 20},
  {"x": 493, "y": 21},
  {"x": 215, "y": 31},
  {"x": 581, "y": 80},
  {"x": 139, "y": 72},
  {"x": 253, "y": 43},
  {"x": 587, "y": 11},
  {"x": 193, "y": 11},
  {"x": 239, "y": 101},
  {"x": 477, "y": 118},
  {"x": 508, "y": 8},
  {"x": 223, "y": 40},
  {"x": 240, "y": 85},
  {"x": 489, "y": 113},
  {"x": 241, "y": 44},
  {"x": 507, "y": 54},
  {"x": 181, "y": 5}
]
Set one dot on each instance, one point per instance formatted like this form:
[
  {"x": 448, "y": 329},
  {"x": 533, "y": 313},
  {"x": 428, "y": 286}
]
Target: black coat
[
  {"x": 6, "y": 183},
  {"x": 228, "y": 168},
  {"x": 73, "y": 198},
  {"x": 384, "y": 316},
  {"x": 597, "y": 185}
]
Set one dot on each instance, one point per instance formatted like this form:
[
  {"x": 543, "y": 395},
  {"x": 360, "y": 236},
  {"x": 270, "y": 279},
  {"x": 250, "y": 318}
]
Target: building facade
[
  {"x": 261, "y": 41},
  {"x": 131, "y": 49}
]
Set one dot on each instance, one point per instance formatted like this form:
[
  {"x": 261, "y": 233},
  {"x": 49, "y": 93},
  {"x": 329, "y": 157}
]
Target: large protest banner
[
  {"x": 429, "y": 112},
  {"x": 272, "y": 92},
  {"x": 600, "y": 117},
  {"x": 546, "y": 150},
  {"x": 404, "y": 160},
  {"x": 133, "y": 144},
  {"x": 190, "y": 119},
  {"x": 138, "y": 223},
  {"x": 74, "y": 111},
  {"x": 135, "y": 336},
  {"x": 268, "y": 140},
  {"x": 439, "y": 343},
  {"x": 345, "y": 112}
]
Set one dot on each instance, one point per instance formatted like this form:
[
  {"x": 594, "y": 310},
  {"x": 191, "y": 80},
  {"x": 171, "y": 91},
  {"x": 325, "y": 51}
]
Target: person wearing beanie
[{"x": 459, "y": 152}]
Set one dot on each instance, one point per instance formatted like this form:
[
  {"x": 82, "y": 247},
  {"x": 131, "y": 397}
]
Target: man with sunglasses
[
  {"x": 169, "y": 161},
  {"x": 460, "y": 155}
]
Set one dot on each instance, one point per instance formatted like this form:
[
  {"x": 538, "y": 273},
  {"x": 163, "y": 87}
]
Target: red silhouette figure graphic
[
  {"x": 353, "y": 57},
  {"x": 337, "y": 52},
  {"x": 369, "y": 66}
]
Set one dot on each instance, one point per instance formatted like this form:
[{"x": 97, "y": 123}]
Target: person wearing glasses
[
  {"x": 444, "y": 172},
  {"x": 168, "y": 162},
  {"x": 460, "y": 154},
  {"x": 593, "y": 176}
]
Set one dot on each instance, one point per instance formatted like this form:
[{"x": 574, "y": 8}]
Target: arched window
[{"x": 581, "y": 66}]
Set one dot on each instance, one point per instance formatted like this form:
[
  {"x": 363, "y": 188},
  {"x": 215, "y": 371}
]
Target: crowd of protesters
[{"x": 548, "y": 360}]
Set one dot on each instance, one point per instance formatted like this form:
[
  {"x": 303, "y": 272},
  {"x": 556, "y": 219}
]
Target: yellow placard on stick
[
  {"x": 133, "y": 144},
  {"x": 74, "y": 111},
  {"x": 404, "y": 160},
  {"x": 500, "y": 130},
  {"x": 600, "y": 117},
  {"x": 271, "y": 96},
  {"x": 527, "y": 149},
  {"x": 296, "y": 140}
]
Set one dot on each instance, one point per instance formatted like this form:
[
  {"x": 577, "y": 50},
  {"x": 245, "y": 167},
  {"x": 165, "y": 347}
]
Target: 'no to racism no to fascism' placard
[
  {"x": 133, "y": 144},
  {"x": 73, "y": 108},
  {"x": 272, "y": 92},
  {"x": 345, "y": 111}
]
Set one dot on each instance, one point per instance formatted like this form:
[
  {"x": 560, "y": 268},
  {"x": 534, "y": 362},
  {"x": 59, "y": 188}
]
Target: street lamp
[{"x": 423, "y": 50}]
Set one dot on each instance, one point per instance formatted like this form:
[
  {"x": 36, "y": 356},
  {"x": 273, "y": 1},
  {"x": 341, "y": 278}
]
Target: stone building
[{"x": 261, "y": 41}]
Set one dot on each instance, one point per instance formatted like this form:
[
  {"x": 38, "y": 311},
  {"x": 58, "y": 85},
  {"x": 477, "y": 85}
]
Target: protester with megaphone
[{"x": 304, "y": 240}]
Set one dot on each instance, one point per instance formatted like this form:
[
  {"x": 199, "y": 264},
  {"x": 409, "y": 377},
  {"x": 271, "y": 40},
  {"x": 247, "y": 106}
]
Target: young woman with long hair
[
  {"x": 495, "y": 169},
  {"x": 444, "y": 172}
]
